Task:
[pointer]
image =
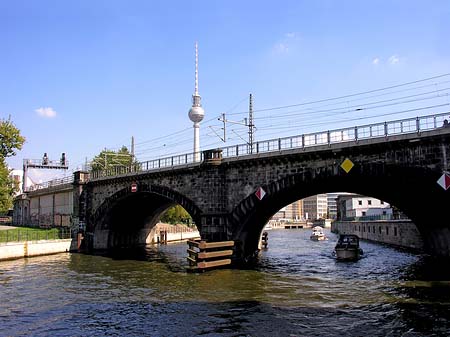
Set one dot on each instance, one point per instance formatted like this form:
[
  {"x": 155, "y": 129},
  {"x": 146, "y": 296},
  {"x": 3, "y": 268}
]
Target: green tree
[
  {"x": 7, "y": 188},
  {"x": 176, "y": 215},
  {"x": 108, "y": 159},
  {"x": 10, "y": 141},
  {"x": 10, "y": 138}
]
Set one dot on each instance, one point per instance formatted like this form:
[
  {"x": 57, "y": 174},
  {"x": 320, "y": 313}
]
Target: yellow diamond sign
[{"x": 347, "y": 165}]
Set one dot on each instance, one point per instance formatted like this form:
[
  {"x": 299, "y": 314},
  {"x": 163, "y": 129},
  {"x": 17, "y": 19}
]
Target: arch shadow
[
  {"x": 412, "y": 189},
  {"x": 126, "y": 218}
]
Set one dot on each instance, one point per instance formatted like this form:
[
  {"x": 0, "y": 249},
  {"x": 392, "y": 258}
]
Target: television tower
[{"x": 196, "y": 113}]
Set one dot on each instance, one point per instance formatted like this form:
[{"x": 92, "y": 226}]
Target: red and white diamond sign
[
  {"x": 444, "y": 181},
  {"x": 260, "y": 193}
]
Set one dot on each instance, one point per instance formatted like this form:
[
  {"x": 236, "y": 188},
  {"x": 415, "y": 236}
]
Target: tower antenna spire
[{"x": 196, "y": 70}]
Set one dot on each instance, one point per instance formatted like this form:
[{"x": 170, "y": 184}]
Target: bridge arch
[
  {"x": 400, "y": 185},
  {"x": 126, "y": 218}
]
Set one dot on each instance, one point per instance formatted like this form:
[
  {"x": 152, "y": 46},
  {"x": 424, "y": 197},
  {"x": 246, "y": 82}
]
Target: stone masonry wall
[{"x": 401, "y": 233}]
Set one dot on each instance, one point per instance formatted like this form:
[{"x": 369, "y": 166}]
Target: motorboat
[
  {"x": 347, "y": 248},
  {"x": 317, "y": 234}
]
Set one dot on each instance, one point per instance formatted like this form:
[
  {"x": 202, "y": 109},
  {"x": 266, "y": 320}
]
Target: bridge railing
[
  {"x": 51, "y": 183},
  {"x": 376, "y": 130}
]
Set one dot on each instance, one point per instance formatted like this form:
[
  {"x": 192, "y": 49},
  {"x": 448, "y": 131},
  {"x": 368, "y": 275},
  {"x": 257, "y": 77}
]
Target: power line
[
  {"x": 352, "y": 95},
  {"x": 180, "y": 139},
  {"x": 360, "y": 107},
  {"x": 293, "y": 125}
]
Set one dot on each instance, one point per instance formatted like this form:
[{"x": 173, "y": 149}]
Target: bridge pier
[
  {"x": 437, "y": 242},
  {"x": 214, "y": 227}
]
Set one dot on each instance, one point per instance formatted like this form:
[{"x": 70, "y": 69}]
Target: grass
[{"x": 33, "y": 234}]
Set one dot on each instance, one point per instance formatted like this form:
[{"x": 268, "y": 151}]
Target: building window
[
  {"x": 363, "y": 213},
  {"x": 395, "y": 231},
  {"x": 387, "y": 230},
  {"x": 359, "y": 202},
  {"x": 382, "y": 202},
  {"x": 373, "y": 229},
  {"x": 364, "y": 229},
  {"x": 359, "y": 228},
  {"x": 379, "y": 229},
  {"x": 369, "y": 202}
]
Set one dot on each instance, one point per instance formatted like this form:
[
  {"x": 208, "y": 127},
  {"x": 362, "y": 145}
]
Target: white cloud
[
  {"x": 394, "y": 59},
  {"x": 375, "y": 61},
  {"x": 281, "y": 48},
  {"x": 46, "y": 112},
  {"x": 291, "y": 35}
]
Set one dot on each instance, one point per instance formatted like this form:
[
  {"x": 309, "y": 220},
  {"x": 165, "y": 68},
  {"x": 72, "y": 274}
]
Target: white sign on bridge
[
  {"x": 444, "y": 181},
  {"x": 260, "y": 193}
]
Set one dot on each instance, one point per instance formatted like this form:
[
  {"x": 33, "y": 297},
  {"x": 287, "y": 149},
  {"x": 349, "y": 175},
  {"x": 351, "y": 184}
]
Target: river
[{"x": 296, "y": 289}]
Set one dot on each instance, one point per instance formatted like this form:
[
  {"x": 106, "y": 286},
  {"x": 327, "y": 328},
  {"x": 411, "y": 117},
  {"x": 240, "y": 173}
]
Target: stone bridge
[
  {"x": 221, "y": 196},
  {"x": 220, "y": 193}
]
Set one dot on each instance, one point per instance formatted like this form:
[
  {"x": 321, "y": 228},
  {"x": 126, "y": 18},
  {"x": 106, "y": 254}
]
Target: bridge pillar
[
  {"x": 214, "y": 227},
  {"x": 437, "y": 241},
  {"x": 80, "y": 179}
]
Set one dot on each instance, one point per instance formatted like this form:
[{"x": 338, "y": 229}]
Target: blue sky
[{"x": 80, "y": 76}]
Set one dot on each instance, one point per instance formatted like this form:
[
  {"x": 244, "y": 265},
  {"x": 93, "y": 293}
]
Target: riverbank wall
[
  {"x": 17, "y": 250},
  {"x": 399, "y": 233},
  {"x": 164, "y": 233}
]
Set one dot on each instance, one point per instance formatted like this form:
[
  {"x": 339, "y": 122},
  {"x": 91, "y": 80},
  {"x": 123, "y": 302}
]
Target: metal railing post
[
  {"x": 356, "y": 133},
  {"x": 385, "y": 129},
  {"x": 418, "y": 125}
]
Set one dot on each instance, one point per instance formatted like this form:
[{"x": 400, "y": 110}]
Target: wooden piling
[{"x": 207, "y": 255}]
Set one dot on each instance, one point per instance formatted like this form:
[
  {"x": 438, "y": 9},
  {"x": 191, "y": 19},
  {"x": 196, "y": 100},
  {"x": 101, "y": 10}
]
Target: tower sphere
[{"x": 196, "y": 114}]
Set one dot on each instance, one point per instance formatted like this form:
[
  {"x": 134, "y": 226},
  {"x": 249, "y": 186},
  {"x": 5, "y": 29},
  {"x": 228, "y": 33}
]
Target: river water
[{"x": 296, "y": 289}]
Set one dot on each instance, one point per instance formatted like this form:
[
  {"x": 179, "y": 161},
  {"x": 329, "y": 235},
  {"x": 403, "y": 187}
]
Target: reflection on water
[{"x": 297, "y": 288}]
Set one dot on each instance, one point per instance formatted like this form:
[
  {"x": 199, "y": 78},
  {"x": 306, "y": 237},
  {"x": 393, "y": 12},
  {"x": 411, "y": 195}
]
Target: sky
[{"x": 81, "y": 76}]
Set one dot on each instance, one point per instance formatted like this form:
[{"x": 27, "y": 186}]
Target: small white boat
[
  {"x": 317, "y": 234},
  {"x": 347, "y": 247}
]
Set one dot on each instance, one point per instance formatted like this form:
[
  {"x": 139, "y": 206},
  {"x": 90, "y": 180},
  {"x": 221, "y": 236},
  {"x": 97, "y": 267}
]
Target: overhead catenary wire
[
  {"x": 351, "y": 95},
  {"x": 361, "y": 106},
  {"x": 309, "y": 114},
  {"x": 333, "y": 122}
]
